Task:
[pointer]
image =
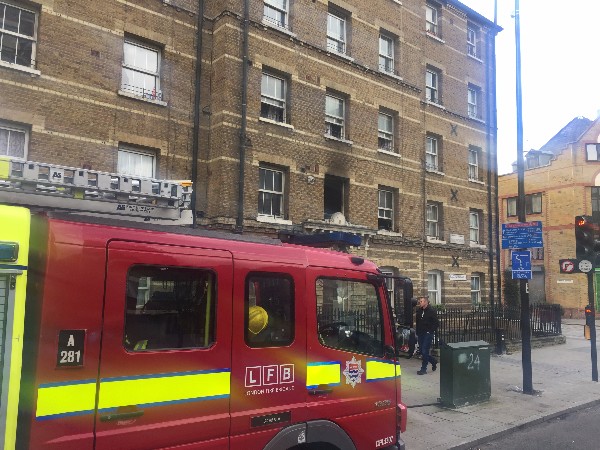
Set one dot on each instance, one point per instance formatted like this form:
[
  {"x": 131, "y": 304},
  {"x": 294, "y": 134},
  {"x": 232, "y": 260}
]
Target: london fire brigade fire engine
[{"x": 135, "y": 335}]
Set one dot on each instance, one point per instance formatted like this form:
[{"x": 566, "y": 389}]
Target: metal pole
[
  {"x": 525, "y": 324},
  {"x": 592, "y": 324}
]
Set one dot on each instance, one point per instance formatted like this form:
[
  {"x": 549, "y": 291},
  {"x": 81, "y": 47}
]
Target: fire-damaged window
[
  {"x": 349, "y": 316},
  {"x": 334, "y": 195},
  {"x": 269, "y": 319},
  {"x": 169, "y": 308}
]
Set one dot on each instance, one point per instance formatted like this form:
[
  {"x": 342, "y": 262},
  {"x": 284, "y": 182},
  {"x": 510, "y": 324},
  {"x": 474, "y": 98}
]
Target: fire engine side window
[
  {"x": 349, "y": 316},
  {"x": 169, "y": 308},
  {"x": 269, "y": 315}
]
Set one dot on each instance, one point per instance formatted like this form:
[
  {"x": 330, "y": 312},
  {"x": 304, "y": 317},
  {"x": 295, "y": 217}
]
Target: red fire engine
[{"x": 120, "y": 334}]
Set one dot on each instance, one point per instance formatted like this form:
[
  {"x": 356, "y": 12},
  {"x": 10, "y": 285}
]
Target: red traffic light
[
  {"x": 580, "y": 221},
  {"x": 588, "y": 309}
]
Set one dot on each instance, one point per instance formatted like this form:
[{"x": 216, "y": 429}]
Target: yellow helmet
[{"x": 257, "y": 319}]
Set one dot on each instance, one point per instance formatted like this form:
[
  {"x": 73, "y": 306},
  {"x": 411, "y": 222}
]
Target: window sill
[
  {"x": 435, "y": 240},
  {"x": 397, "y": 1},
  {"x": 389, "y": 233},
  {"x": 475, "y": 58},
  {"x": 271, "y": 219},
  {"x": 474, "y": 245},
  {"x": 437, "y": 172},
  {"x": 437, "y": 105},
  {"x": 20, "y": 68},
  {"x": 275, "y": 122},
  {"x": 477, "y": 119},
  {"x": 389, "y": 152},
  {"x": 341, "y": 55},
  {"x": 141, "y": 99},
  {"x": 391, "y": 75},
  {"x": 281, "y": 29},
  {"x": 473, "y": 180},
  {"x": 333, "y": 138},
  {"x": 435, "y": 37}
]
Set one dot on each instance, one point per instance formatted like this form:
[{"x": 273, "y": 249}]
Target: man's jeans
[{"x": 425, "y": 341}]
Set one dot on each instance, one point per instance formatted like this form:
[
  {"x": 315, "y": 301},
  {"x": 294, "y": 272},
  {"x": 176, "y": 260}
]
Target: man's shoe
[
  {"x": 434, "y": 366},
  {"x": 409, "y": 356},
  {"x": 421, "y": 372}
]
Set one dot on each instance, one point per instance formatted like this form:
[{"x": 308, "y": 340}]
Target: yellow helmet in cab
[{"x": 257, "y": 319}]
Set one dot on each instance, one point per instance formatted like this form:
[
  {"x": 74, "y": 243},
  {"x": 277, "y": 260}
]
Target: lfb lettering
[{"x": 269, "y": 375}]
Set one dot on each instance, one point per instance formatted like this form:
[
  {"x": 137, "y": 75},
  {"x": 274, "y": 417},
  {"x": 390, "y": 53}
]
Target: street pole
[
  {"x": 525, "y": 324},
  {"x": 592, "y": 322}
]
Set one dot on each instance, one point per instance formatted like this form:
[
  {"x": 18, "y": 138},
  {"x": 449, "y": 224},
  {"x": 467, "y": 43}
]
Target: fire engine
[{"x": 133, "y": 334}]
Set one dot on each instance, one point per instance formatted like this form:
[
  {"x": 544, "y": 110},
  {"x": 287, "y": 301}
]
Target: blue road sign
[
  {"x": 522, "y": 235},
  {"x": 521, "y": 265}
]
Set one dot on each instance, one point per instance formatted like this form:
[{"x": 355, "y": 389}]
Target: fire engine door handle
[
  {"x": 121, "y": 416},
  {"x": 320, "y": 391}
]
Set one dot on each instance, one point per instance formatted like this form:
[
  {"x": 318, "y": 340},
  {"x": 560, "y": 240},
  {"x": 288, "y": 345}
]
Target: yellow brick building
[{"x": 561, "y": 181}]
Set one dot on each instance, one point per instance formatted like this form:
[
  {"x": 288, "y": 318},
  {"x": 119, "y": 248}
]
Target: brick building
[
  {"x": 561, "y": 181},
  {"x": 374, "y": 118}
]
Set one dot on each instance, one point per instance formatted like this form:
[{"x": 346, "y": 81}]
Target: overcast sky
[{"x": 560, "y": 69}]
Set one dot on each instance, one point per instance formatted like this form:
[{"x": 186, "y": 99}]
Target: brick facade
[
  {"x": 565, "y": 183},
  {"x": 77, "y": 115}
]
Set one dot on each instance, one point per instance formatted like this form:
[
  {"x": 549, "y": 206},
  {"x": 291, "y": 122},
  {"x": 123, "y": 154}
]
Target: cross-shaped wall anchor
[
  {"x": 455, "y": 261},
  {"x": 453, "y": 130},
  {"x": 454, "y": 193}
]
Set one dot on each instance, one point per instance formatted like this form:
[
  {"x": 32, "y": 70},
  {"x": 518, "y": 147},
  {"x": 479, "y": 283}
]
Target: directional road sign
[
  {"x": 521, "y": 265},
  {"x": 522, "y": 235}
]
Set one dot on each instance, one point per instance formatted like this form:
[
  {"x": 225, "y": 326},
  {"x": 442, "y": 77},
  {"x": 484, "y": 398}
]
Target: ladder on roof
[{"x": 50, "y": 186}]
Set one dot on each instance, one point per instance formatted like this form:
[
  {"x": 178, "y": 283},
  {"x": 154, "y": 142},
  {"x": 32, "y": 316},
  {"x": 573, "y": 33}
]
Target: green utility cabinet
[{"x": 465, "y": 373}]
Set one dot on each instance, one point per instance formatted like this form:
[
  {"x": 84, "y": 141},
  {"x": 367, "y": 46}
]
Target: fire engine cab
[{"x": 118, "y": 334}]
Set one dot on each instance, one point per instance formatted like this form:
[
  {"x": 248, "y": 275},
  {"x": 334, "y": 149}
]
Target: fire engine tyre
[{"x": 315, "y": 435}]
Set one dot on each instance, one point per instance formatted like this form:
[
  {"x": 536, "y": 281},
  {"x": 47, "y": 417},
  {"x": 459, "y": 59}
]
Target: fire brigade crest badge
[{"x": 353, "y": 372}]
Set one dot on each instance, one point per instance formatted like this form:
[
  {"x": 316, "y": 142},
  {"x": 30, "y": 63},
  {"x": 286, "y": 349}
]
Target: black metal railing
[{"x": 483, "y": 322}]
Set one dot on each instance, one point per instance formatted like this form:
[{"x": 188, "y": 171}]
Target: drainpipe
[
  {"x": 197, "y": 97},
  {"x": 492, "y": 172},
  {"x": 239, "y": 225}
]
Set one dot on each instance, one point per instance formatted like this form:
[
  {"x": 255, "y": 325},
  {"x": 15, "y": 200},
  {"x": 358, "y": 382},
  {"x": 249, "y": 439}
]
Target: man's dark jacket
[{"x": 427, "y": 321}]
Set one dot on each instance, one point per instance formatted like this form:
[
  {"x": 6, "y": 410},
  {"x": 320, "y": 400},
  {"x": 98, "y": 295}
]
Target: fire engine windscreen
[
  {"x": 169, "y": 308},
  {"x": 349, "y": 316}
]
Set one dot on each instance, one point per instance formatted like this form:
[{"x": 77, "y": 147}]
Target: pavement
[{"x": 562, "y": 379}]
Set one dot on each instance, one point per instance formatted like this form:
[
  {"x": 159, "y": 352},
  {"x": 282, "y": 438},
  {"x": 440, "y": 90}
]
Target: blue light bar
[{"x": 327, "y": 239}]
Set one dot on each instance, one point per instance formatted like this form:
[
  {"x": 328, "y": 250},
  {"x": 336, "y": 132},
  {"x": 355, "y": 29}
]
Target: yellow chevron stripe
[
  {"x": 320, "y": 373},
  {"x": 65, "y": 399},
  {"x": 163, "y": 388},
  {"x": 378, "y": 369}
]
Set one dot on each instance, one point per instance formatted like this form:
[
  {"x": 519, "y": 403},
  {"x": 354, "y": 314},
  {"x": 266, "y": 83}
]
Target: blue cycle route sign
[
  {"x": 522, "y": 235},
  {"x": 521, "y": 265}
]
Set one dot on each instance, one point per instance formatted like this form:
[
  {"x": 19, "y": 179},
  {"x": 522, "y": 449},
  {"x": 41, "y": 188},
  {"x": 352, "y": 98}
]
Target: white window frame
[
  {"x": 336, "y": 42},
  {"x": 474, "y": 224},
  {"x": 511, "y": 207},
  {"x": 11, "y": 130},
  {"x": 386, "y": 56},
  {"x": 271, "y": 100},
  {"x": 385, "y": 206},
  {"x": 126, "y": 149},
  {"x": 473, "y": 164},
  {"x": 18, "y": 36},
  {"x": 432, "y": 85},
  {"x": 265, "y": 171},
  {"x": 475, "y": 288},
  {"x": 472, "y": 41},
  {"x": 432, "y": 19},
  {"x": 277, "y": 9},
  {"x": 332, "y": 120},
  {"x": 592, "y": 150},
  {"x": 433, "y": 220},
  {"x": 473, "y": 99},
  {"x": 432, "y": 152},
  {"x": 385, "y": 134},
  {"x": 155, "y": 92},
  {"x": 434, "y": 286}
]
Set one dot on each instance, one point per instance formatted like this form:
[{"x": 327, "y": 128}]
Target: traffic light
[
  {"x": 587, "y": 238},
  {"x": 589, "y": 316}
]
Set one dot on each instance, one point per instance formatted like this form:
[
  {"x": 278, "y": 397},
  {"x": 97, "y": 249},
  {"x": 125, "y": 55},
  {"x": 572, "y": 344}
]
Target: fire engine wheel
[{"x": 314, "y": 435}]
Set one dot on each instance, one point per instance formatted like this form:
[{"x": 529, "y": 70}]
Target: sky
[{"x": 560, "y": 69}]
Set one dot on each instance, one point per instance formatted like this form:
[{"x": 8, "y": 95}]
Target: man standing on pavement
[{"x": 427, "y": 324}]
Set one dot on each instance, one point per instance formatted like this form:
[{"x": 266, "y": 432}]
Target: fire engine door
[
  {"x": 165, "y": 360},
  {"x": 269, "y": 350},
  {"x": 350, "y": 374}
]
